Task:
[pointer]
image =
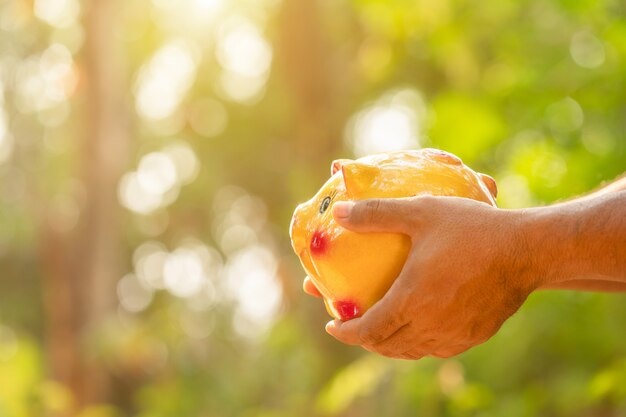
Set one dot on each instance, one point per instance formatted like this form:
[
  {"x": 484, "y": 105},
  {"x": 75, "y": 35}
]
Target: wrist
[
  {"x": 561, "y": 244},
  {"x": 542, "y": 234},
  {"x": 581, "y": 239},
  {"x": 518, "y": 250}
]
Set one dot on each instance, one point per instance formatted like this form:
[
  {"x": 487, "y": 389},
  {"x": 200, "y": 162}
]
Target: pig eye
[{"x": 324, "y": 205}]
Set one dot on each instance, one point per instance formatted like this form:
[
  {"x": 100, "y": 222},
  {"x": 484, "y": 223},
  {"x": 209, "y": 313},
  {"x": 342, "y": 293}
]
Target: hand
[
  {"x": 309, "y": 287},
  {"x": 466, "y": 273}
]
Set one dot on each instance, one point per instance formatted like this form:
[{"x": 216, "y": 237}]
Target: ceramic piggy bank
[{"x": 354, "y": 270}]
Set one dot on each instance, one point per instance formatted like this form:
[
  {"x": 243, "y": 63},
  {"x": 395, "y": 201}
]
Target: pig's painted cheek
[
  {"x": 319, "y": 243},
  {"x": 347, "y": 310}
]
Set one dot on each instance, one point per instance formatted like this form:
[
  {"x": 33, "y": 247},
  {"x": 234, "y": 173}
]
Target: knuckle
[
  {"x": 423, "y": 201},
  {"x": 430, "y": 345},
  {"x": 451, "y": 351},
  {"x": 369, "y": 336},
  {"x": 415, "y": 354},
  {"x": 377, "y": 331},
  {"x": 373, "y": 212},
  {"x": 396, "y": 319},
  {"x": 443, "y": 354}
]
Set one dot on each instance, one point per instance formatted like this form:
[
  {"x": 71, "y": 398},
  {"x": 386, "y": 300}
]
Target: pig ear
[
  {"x": 337, "y": 164},
  {"x": 490, "y": 183},
  {"x": 358, "y": 177}
]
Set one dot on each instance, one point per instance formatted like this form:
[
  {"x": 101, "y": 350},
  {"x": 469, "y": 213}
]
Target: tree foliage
[{"x": 152, "y": 153}]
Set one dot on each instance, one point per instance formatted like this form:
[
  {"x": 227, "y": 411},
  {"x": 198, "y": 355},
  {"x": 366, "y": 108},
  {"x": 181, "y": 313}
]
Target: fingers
[
  {"x": 407, "y": 339},
  {"x": 309, "y": 287},
  {"x": 397, "y": 215},
  {"x": 345, "y": 331},
  {"x": 382, "y": 321},
  {"x": 388, "y": 316},
  {"x": 451, "y": 351},
  {"x": 407, "y": 343},
  {"x": 394, "y": 310}
]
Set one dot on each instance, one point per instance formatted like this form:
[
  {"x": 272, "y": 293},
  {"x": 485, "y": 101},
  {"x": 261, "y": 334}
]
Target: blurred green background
[{"x": 151, "y": 155}]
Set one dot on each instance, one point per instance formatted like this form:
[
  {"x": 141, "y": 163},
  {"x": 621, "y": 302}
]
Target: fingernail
[
  {"x": 342, "y": 209},
  {"x": 330, "y": 326}
]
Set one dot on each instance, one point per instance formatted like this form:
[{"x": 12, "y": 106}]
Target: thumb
[{"x": 396, "y": 215}]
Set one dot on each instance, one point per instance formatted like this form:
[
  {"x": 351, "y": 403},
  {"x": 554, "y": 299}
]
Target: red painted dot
[
  {"x": 319, "y": 243},
  {"x": 347, "y": 309}
]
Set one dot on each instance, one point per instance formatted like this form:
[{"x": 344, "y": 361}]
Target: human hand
[
  {"x": 466, "y": 273},
  {"x": 309, "y": 287}
]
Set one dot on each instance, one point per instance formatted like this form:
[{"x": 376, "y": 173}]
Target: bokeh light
[
  {"x": 190, "y": 271},
  {"x": 149, "y": 259},
  {"x": 183, "y": 273},
  {"x": 136, "y": 198},
  {"x": 565, "y": 116},
  {"x": 45, "y": 81},
  {"x": 134, "y": 296},
  {"x": 245, "y": 57},
  {"x": 156, "y": 182},
  {"x": 152, "y": 153},
  {"x": 587, "y": 50},
  {"x": 59, "y": 13},
  {"x": 164, "y": 80},
  {"x": 195, "y": 18},
  {"x": 392, "y": 123},
  {"x": 251, "y": 282}
]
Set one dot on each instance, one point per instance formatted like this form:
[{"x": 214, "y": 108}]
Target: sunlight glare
[
  {"x": 135, "y": 197},
  {"x": 156, "y": 173},
  {"x": 149, "y": 259},
  {"x": 246, "y": 57},
  {"x": 242, "y": 89},
  {"x": 58, "y": 13},
  {"x": 45, "y": 82},
  {"x": 208, "y": 5},
  {"x": 191, "y": 18},
  {"x": 239, "y": 219},
  {"x": 391, "y": 123},
  {"x": 163, "y": 82},
  {"x": 251, "y": 282},
  {"x": 183, "y": 272},
  {"x": 158, "y": 178},
  {"x": 242, "y": 49},
  {"x": 184, "y": 160}
]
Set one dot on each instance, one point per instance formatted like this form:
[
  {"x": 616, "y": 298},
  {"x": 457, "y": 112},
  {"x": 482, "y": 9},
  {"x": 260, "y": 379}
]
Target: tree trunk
[
  {"x": 81, "y": 268},
  {"x": 315, "y": 78},
  {"x": 105, "y": 154},
  {"x": 314, "y": 73}
]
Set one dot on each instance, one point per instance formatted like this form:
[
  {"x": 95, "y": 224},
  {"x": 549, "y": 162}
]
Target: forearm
[
  {"x": 580, "y": 240},
  {"x": 587, "y": 285},
  {"x": 615, "y": 186}
]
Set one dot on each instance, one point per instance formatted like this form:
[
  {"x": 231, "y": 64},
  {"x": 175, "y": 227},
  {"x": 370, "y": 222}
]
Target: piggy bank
[{"x": 354, "y": 270}]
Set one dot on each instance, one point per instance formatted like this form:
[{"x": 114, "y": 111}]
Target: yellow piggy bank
[{"x": 354, "y": 270}]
